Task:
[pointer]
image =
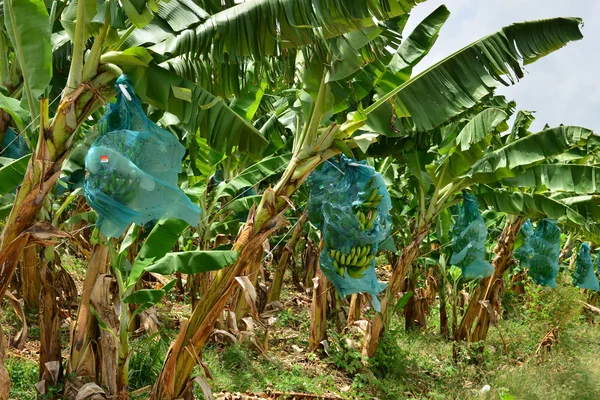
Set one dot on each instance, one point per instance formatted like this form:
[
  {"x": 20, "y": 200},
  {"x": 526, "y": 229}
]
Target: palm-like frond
[
  {"x": 197, "y": 109},
  {"x": 581, "y": 179},
  {"x": 459, "y": 81},
  {"x": 266, "y": 27}
]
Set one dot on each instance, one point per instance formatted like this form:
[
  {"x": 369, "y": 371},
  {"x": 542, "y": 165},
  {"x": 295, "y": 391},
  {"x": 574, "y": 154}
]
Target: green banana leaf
[
  {"x": 540, "y": 146},
  {"x": 459, "y": 81},
  {"x": 26, "y": 23},
  {"x": 197, "y": 109},
  {"x": 11, "y": 175},
  {"x": 159, "y": 242},
  {"x": 193, "y": 262},
  {"x": 580, "y": 179},
  {"x": 479, "y": 127}
]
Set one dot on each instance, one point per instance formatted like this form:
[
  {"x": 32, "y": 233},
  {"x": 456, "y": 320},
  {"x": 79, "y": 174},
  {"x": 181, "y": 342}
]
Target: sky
[{"x": 562, "y": 87}]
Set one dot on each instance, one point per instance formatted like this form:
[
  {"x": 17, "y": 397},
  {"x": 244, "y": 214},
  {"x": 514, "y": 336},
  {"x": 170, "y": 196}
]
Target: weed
[
  {"x": 344, "y": 354},
  {"x": 23, "y": 373},
  {"x": 289, "y": 318},
  {"x": 74, "y": 265},
  {"x": 147, "y": 355}
]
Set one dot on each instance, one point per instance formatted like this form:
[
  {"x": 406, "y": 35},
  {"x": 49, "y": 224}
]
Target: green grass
[
  {"x": 147, "y": 356},
  {"x": 238, "y": 368},
  {"x": 419, "y": 365},
  {"x": 74, "y": 265},
  {"x": 23, "y": 376},
  {"x": 415, "y": 365}
]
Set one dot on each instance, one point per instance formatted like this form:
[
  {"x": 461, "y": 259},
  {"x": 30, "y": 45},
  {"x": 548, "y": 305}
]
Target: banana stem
[
  {"x": 91, "y": 66},
  {"x": 75, "y": 73},
  {"x": 307, "y": 138},
  {"x": 4, "y": 58}
]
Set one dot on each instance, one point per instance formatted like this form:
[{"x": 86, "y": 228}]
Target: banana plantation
[{"x": 261, "y": 199}]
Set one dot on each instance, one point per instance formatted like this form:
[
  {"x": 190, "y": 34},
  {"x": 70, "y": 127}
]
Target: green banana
[
  {"x": 358, "y": 215},
  {"x": 373, "y": 195},
  {"x": 338, "y": 270},
  {"x": 361, "y": 261},
  {"x": 369, "y": 226},
  {"x": 343, "y": 259},
  {"x": 355, "y": 274},
  {"x": 373, "y": 215}
]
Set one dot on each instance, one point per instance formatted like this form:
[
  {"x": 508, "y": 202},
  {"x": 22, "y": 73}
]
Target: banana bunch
[
  {"x": 121, "y": 189},
  {"x": 355, "y": 262},
  {"x": 367, "y": 217}
]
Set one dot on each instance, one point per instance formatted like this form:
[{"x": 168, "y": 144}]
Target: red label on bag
[{"x": 103, "y": 159}]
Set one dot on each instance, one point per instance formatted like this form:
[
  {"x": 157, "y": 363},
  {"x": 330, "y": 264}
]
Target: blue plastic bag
[
  {"x": 133, "y": 169},
  {"x": 14, "y": 146},
  {"x": 540, "y": 252},
  {"x": 584, "y": 276},
  {"x": 468, "y": 242},
  {"x": 350, "y": 204}
]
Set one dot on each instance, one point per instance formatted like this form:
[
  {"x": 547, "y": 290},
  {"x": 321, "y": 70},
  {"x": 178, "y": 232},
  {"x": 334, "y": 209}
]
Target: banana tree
[
  {"x": 570, "y": 201},
  {"x": 469, "y": 153},
  {"x": 312, "y": 140},
  {"x": 331, "y": 47},
  {"x": 87, "y": 86}
]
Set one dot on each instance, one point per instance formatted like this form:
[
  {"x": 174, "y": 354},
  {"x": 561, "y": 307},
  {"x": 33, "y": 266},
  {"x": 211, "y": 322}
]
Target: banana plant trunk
[
  {"x": 287, "y": 253},
  {"x": 45, "y": 166},
  {"x": 174, "y": 379},
  {"x": 84, "y": 360},
  {"x": 84, "y": 354},
  {"x": 318, "y": 309},
  {"x": 444, "y": 330},
  {"x": 409, "y": 255},
  {"x": 240, "y": 306},
  {"x": 517, "y": 282},
  {"x": 29, "y": 278},
  {"x": 311, "y": 252},
  {"x": 50, "y": 361},
  {"x": 355, "y": 309},
  {"x": 476, "y": 320},
  {"x": 4, "y": 376},
  {"x": 411, "y": 318}
]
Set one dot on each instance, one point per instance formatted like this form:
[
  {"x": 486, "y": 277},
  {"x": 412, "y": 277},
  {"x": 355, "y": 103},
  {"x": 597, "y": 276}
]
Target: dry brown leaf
[
  {"x": 45, "y": 231},
  {"x": 249, "y": 293},
  {"x": 21, "y": 337},
  {"x": 91, "y": 391},
  {"x": 492, "y": 313},
  {"x": 206, "y": 390}
]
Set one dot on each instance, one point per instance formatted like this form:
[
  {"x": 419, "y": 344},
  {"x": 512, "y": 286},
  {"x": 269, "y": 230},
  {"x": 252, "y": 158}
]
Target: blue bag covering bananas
[
  {"x": 350, "y": 204},
  {"x": 132, "y": 169},
  {"x": 540, "y": 251},
  {"x": 468, "y": 242},
  {"x": 584, "y": 276}
]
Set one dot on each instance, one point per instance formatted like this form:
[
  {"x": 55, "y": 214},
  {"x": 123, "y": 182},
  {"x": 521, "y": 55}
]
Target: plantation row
[{"x": 197, "y": 150}]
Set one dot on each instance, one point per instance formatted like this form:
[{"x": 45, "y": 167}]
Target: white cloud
[{"x": 562, "y": 87}]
